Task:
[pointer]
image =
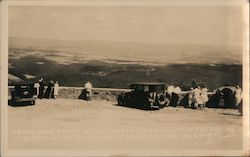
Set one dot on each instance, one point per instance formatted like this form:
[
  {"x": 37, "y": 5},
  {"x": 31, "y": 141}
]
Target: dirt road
[{"x": 77, "y": 124}]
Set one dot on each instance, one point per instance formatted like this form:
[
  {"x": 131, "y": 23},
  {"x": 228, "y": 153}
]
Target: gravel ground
[{"x": 78, "y": 124}]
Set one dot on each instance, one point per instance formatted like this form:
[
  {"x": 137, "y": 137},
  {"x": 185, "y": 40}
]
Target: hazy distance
[{"x": 211, "y": 31}]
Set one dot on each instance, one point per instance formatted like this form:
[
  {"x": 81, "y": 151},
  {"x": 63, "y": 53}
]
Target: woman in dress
[
  {"x": 56, "y": 88},
  {"x": 204, "y": 96}
]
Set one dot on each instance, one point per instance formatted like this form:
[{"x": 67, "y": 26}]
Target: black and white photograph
[{"x": 124, "y": 78}]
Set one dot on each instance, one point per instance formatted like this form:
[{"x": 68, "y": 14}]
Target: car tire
[
  {"x": 167, "y": 103},
  {"x": 161, "y": 102},
  {"x": 33, "y": 102}
]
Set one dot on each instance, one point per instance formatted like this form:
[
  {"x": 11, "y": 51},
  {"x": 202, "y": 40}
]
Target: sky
[{"x": 206, "y": 25}]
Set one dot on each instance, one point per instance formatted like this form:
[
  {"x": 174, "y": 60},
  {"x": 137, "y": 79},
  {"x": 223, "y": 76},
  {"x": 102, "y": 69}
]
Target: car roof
[
  {"x": 23, "y": 84},
  {"x": 230, "y": 87}
]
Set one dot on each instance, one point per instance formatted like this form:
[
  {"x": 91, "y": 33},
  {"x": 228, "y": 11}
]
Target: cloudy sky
[{"x": 208, "y": 25}]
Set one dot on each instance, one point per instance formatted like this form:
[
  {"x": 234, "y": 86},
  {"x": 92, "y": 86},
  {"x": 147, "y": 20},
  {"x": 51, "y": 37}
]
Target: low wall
[
  {"x": 97, "y": 93},
  {"x": 109, "y": 94}
]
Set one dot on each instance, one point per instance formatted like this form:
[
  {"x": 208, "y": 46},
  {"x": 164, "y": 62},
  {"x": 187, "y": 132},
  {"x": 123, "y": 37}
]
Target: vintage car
[
  {"x": 144, "y": 95},
  {"x": 23, "y": 94}
]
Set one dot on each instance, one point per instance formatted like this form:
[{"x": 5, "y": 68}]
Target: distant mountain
[{"x": 67, "y": 52}]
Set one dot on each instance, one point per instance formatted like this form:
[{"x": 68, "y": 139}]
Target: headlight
[{"x": 25, "y": 93}]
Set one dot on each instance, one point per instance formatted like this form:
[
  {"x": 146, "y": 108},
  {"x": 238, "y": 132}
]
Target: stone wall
[{"x": 97, "y": 93}]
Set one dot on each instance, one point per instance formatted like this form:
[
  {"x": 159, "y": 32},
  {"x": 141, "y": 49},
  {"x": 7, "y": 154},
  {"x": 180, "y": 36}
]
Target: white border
[{"x": 4, "y": 77}]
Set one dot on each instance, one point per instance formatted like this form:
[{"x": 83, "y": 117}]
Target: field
[{"x": 77, "y": 124}]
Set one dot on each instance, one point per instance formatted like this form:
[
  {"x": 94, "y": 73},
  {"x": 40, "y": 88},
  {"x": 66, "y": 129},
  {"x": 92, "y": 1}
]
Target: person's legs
[
  {"x": 195, "y": 105},
  {"x": 52, "y": 93},
  {"x": 174, "y": 100}
]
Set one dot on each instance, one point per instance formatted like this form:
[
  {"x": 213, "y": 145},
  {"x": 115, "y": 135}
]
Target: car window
[
  {"x": 160, "y": 88},
  {"x": 140, "y": 87},
  {"x": 152, "y": 88},
  {"x": 146, "y": 88}
]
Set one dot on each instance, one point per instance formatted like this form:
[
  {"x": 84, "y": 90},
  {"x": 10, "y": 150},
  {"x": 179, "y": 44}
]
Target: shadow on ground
[
  {"x": 232, "y": 114},
  {"x": 138, "y": 107},
  {"x": 19, "y": 104}
]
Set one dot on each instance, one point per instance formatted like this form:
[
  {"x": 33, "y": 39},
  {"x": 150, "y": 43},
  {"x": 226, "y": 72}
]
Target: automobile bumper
[
  {"x": 24, "y": 99},
  {"x": 153, "y": 104}
]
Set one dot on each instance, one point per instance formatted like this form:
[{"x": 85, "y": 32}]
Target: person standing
[
  {"x": 190, "y": 97},
  {"x": 52, "y": 91},
  {"x": 56, "y": 88},
  {"x": 238, "y": 95},
  {"x": 197, "y": 101},
  {"x": 49, "y": 91},
  {"x": 88, "y": 90},
  {"x": 170, "y": 90},
  {"x": 175, "y": 97},
  {"x": 204, "y": 96},
  {"x": 36, "y": 86},
  {"x": 41, "y": 89}
]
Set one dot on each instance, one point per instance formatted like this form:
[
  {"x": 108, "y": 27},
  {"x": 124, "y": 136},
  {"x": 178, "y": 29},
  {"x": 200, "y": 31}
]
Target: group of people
[
  {"x": 50, "y": 92},
  {"x": 173, "y": 94},
  {"x": 53, "y": 87},
  {"x": 86, "y": 93},
  {"x": 197, "y": 97}
]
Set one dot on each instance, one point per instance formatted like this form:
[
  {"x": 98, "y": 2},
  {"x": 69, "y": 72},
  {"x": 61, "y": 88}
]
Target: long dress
[
  {"x": 175, "y": 97},
  {"x": 204, "y": 95},
  {"x": 190, "y": 98},
  {"x": 56, "y": 87},
  {"x": 197, "y": 100},
  {"x": 36, "y": 86},
  {"x": 41, "y": 90},
  {"x": 238, "y": 96},
  {"x": 49, "y": 91}
]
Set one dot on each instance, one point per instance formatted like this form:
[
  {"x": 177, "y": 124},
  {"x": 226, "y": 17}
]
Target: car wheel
[
  {"x": 13, "y": 102},
  {"x": 167, "y": 103},
  {"x": 33, "y": 102},
  {"x": 161, "y": 102}
]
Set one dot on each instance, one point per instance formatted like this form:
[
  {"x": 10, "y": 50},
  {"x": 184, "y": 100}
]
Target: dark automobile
[
  {"x": 23, "y": 94},
  {"x": 144, "y": 95}
]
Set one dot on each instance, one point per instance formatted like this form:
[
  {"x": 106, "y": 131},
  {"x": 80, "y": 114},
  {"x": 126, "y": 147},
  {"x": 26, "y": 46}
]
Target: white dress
[
  {"x": 197, "y": 96},
  {"x": 56, "y": 87},
  {"x": 36, "y": 85},
  {"x": 204, "y": 95},
  {"x": 238, "y": 96}
]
